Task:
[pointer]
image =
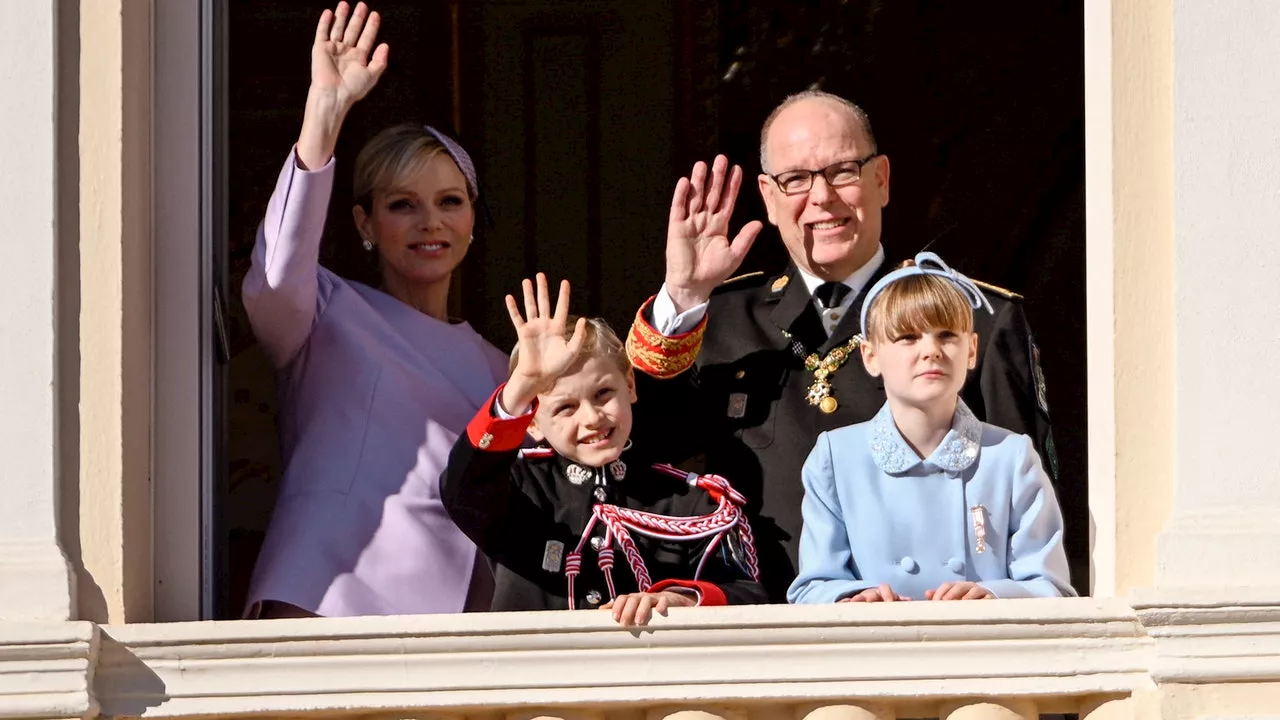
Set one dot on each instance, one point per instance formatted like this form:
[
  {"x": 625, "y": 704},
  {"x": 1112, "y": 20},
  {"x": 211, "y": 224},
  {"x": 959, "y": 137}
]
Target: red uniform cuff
[
  {"x": 708, "y": 593},
  {"x": 655, "y": 354},
  {"x": 489, "y": 432}
]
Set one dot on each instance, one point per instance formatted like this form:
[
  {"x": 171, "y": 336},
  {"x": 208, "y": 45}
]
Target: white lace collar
[{"x": 957, "y": 451}]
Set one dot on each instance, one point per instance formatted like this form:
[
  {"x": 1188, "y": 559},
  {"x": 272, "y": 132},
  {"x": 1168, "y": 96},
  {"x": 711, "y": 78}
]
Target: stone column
[
  {"x": 1226, "y": 197},
  {"x": 35, "y": 579}
]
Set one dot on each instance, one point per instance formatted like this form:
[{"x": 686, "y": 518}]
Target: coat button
[
  {"x": 908, "y": 565},
  {"x": 956, "y": 565},
  {"x": 597, "y": 542},
  {"x": 593, "y": 597}
]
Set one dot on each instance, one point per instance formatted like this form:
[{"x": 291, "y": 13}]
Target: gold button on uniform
[
  {"x": 740, "y": 374},
  {"x": 485, "y": 440}
]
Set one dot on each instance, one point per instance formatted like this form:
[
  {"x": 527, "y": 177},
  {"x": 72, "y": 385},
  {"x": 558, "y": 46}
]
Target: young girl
[
  {"x": 681, "y": 539},
  {"x": 924, "y": 501}
]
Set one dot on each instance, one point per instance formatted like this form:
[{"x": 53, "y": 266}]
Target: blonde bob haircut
[
  {"x": 601, "y": 342},
  {"x": 391, "y": 155},
  {"x": 916, "y": 304}
]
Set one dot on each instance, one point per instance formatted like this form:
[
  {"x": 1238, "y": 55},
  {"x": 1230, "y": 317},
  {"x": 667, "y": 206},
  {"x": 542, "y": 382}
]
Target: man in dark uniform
[{"x": 748, "y": 372}]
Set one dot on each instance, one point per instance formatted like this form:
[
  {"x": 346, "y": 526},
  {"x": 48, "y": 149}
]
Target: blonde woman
[{"x": 375, "y": 383}]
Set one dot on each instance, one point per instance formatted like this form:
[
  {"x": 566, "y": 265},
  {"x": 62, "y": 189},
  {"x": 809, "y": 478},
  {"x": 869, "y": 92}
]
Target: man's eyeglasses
[{"x": 799, "y": 182}]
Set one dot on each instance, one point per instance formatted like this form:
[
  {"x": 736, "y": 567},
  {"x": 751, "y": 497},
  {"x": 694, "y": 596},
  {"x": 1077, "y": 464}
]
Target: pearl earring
[{"x": 368, "y": 245}]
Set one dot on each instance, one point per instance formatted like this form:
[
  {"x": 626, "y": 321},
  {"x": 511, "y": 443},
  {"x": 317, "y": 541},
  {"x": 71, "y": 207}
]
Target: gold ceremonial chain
[{"x": 822, "y": 368}]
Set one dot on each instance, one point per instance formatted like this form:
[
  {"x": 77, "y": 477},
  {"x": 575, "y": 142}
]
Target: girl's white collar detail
[{"x": 957, "y": 451}]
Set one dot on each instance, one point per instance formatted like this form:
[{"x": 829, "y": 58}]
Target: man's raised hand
[{"x": 700, "y": 255}]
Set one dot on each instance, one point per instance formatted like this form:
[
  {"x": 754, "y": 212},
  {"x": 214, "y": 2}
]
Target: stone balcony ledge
[{"x": 914, "y": 659}]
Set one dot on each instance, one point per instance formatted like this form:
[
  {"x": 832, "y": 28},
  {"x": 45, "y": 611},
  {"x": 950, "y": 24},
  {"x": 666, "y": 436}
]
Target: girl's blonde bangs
[{"x": 917, "y": 304}]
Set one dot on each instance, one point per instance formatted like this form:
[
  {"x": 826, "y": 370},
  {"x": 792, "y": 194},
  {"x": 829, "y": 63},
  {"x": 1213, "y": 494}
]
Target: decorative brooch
[
  {"x": 820, "y": 392},
  {"x": 618, "y": 469},
  {"x": 577, "y": 474},
  {"x": 979, "y": 528}
]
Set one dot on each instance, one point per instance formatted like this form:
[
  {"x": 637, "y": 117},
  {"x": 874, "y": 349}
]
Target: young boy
[{"x": 682, "y": 539}]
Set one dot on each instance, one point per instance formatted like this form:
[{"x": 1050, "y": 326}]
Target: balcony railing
[{"x": 960, "y": 661}]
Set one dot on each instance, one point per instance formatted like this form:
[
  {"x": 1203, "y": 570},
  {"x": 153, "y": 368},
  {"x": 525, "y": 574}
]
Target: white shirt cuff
[
  {"x": 502, "y": 413},
  {"x": 670, "y": 323}
]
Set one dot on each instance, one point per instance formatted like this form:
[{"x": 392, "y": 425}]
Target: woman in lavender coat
[{"x": 375, "y": 384}]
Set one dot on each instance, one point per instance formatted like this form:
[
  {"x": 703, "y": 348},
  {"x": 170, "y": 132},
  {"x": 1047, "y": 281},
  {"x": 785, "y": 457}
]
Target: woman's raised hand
[
  {"x": 345, "y": 66},
  {"x": 544, "y": 353},
  {"x": 343, "y": 59}
]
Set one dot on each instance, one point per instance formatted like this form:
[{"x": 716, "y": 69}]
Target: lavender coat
[{"x": 373, "y": 395}]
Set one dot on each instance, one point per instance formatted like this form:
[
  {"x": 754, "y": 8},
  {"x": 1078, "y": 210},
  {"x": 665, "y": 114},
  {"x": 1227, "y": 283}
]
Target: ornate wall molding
[{"x": 47, "y": 670}]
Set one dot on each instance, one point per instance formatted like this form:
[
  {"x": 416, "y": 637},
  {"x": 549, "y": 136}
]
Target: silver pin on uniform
[{"x": 552, "y": 556}]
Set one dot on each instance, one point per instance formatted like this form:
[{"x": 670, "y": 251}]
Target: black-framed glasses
[{"x": 845, "y": 172}]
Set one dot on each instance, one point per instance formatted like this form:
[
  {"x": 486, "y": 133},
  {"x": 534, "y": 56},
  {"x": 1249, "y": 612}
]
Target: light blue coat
[{"x": 874, "y": 513}]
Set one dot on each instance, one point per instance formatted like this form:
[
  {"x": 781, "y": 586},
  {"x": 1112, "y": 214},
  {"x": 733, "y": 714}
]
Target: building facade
[{"x": 106, "y": 339}]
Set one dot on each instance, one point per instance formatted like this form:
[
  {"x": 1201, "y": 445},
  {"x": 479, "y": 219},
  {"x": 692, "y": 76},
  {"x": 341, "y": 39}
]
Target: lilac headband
[{"x": 460, "y": 157}]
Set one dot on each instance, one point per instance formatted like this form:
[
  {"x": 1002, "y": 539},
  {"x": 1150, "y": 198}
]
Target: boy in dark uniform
[
  {"x": 759, "y": 365},
  {"x": 541, "y": 515}
]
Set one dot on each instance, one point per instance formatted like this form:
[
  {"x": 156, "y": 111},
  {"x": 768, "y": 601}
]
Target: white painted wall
[
  {"x": 34, "y": 577},
  {"x": 1226, "y": 157}
]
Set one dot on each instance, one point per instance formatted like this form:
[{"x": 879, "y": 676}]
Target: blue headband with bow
[{"x": 927, "y": 263}]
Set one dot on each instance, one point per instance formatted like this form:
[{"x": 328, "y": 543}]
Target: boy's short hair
[
  {"x": 916, "y": 304},
  {"x": 600, "y": 342}
]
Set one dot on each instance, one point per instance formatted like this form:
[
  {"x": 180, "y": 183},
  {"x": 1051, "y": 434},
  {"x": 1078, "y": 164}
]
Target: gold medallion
[{"x": 820, "y": 392}]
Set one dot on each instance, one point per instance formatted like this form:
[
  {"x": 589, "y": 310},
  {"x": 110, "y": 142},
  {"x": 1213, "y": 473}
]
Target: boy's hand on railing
[{"x": 638, "y": 608}]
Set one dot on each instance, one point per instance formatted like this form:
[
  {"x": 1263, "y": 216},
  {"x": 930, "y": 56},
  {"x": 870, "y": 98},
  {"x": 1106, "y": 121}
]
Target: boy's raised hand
[{"x": 544, "y": 353}]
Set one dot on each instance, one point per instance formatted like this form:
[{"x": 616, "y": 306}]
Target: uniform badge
[
  {"x": 1037, "y": 376},
  {"x": 780, "y": 284},
  {"x": 737, "y": 405},
  {"x": 552, "y": 556},
  {"x": 618, "y": 469},
  {"x": 577, "y": 474}
]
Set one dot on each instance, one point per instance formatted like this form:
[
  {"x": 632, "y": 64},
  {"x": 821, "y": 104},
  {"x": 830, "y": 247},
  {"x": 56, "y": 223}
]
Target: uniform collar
[
  {"x": 792, "y": 291},
  {"x": 957, "y": 451},
  {"x": 586, "y": 475},
  {"x": 857, "y": 282}
]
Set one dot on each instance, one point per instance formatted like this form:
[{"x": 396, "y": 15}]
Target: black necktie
[{"x": 831, "y": 294}]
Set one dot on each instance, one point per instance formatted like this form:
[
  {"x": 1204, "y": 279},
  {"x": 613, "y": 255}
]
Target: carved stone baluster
[
  {"x": 861, "y": 711},
  {"x": 691, "y": 714},
  {"x": 1005, "y": 709},
  {"x": 556, "y": 714}
]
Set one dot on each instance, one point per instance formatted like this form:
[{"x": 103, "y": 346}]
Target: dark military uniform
[
  {"x": 526, "y": 515},
  {"x": 743, "y": 406}
]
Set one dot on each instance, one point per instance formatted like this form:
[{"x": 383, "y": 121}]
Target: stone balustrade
[{"x": 996, "y": 660}]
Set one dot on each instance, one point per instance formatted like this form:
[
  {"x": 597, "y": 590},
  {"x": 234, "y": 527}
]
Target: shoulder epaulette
[
  {"x": 738, "y": 281},
  {"x": 1002, "y": 292},
  {"x": 538, "y": 453}
]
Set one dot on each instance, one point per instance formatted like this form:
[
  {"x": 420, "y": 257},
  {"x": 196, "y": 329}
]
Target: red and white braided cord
[{"x": 727, "y": 516}]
